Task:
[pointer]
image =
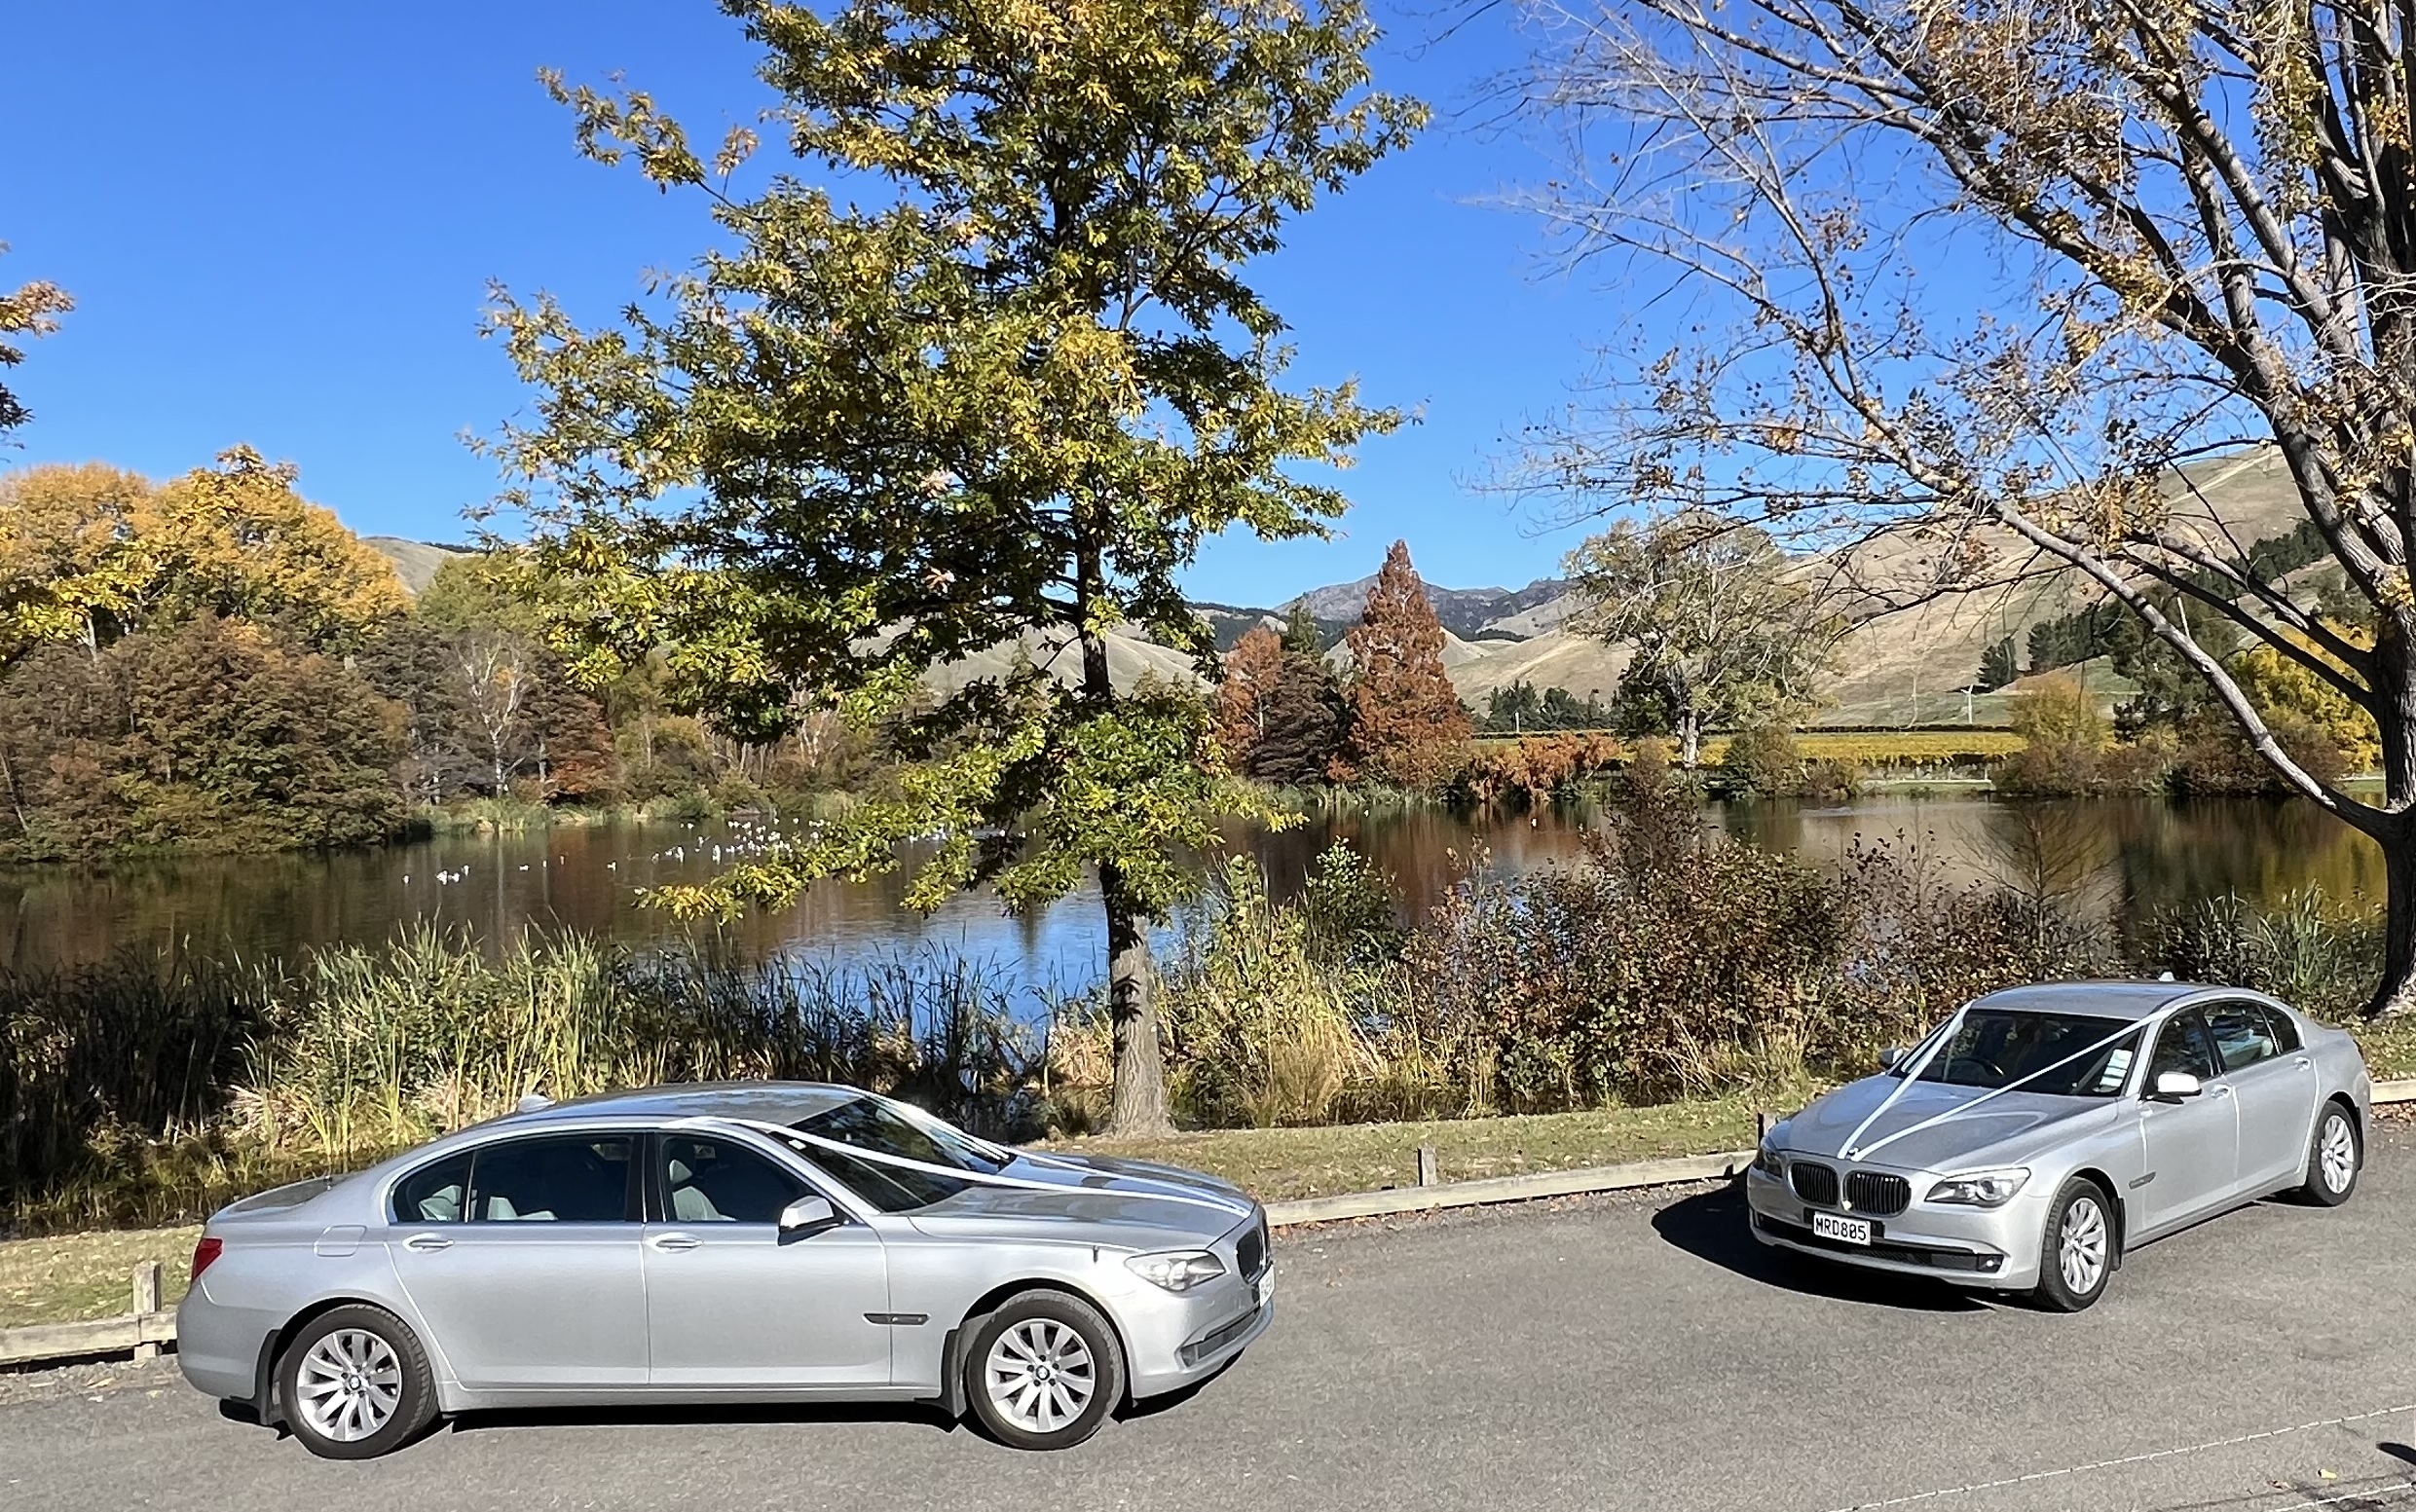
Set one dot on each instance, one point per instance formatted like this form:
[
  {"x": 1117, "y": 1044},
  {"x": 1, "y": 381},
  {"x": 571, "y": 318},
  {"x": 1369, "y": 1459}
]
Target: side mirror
[
  {"x": 806, "y": 1216},
  {"x": 2173, "y": 1086},
  {"x": 1891, "y": 1057}
]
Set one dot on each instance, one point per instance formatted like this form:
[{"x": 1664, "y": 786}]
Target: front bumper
[{"x": 1969, "y": 1246}]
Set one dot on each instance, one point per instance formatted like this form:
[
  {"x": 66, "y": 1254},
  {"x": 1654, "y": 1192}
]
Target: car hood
[
  {"x": 1092, "y": 1201},
  {"x": 2004, "y": 1127}
]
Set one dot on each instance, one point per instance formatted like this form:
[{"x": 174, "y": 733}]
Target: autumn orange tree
[
  {"x": 1407, "y": 723},
  {"x": 1981, "y": 288}
]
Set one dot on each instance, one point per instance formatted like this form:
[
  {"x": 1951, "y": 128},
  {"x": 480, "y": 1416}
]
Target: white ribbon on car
[
  {"x": 785, "y": 1132},
  {"x": 1853, "y": 1152}
]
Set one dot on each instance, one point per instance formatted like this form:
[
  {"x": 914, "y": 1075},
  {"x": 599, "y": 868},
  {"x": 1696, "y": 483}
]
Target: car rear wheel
[
  {"x": 1045, "y": 1371},
  {"x": 2333, "y": 1157},
  {"x": 2076, "y": 1252},
  {"x": 355, "y": 1385}
]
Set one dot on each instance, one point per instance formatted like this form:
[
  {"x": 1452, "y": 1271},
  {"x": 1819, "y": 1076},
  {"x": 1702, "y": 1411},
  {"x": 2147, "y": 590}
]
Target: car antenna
[{"x": 532, "y": 1102}]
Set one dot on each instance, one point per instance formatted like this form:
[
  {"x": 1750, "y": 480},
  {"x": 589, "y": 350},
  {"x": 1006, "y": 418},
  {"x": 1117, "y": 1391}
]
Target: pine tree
[
  {"x": 1302, "y": 717},
  {"x": 1406, "y": 723},
  {"x": 1996, "y": 666},
  {"x": 1303, "y": 636}
]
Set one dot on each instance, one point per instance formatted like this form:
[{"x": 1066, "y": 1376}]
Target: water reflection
[{"x": 2122, "y": 858}]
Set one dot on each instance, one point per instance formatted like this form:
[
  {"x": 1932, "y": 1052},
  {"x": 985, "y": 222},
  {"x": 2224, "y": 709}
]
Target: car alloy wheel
[
  {"x": 2080, "y": 1248},
  {"x": 2333, "y": 1157},
  {"x": 349, "y": 1385},
  {"x": 354, "y": 1383},
  {"x": 2339, "y": 1153},
  {"x": 1040, "y": 1375}
]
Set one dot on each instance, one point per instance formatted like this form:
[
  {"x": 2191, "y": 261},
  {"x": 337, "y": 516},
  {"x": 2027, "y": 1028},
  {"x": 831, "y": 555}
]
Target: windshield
[
  {"x": 1994, "y": 1048},
  {"x": 882, "y": 1128}
]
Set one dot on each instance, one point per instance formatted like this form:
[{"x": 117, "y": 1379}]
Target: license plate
[
  {"x": 1845, "y": 1231},
  {"x": 1264, "y": 1289}
]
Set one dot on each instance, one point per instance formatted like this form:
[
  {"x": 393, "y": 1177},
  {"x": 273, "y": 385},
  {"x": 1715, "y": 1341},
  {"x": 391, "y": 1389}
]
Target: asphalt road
[{"x": 1607, "y": 1353}]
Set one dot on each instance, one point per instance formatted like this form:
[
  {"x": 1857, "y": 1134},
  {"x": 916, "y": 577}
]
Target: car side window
[
  {"x": 2243, "y": 1035},
  {"x": 2285, "y": 1029},
  {"x": 718, "y": 1181},
  {"x": 568, "y": 1178},
  {"x": 435, "y": 1192},
  {"x": 2182, "y": 1045}
]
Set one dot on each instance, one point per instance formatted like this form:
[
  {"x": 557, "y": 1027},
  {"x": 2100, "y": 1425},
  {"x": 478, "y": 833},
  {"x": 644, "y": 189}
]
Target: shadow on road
[
  {"x": 926, "y": 1414},
  {"x": 704, "y": 1414},
  {"x": 1712, "y": 1227}
]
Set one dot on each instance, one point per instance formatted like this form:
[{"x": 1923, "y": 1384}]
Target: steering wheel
[{"x": 1988, "y": 1068}]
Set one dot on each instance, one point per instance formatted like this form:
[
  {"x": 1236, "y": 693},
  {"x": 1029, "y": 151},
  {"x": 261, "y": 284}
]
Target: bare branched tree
[{"x": 1970, "y": 288}]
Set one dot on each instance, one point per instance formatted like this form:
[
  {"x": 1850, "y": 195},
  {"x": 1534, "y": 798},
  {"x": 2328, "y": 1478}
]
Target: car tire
[
  {"x": 1045, "y": 1371},
  {"x": 354, "y": 1383},
  {"x": 2076, "y": 1247},
  {"x": 2335, "y": 1157}
]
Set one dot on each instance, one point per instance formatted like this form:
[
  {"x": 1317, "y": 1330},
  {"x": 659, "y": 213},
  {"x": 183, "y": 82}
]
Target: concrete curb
[
  {"x": 134, "y": 1332},
  {"x": 1510, "y": 1189}
]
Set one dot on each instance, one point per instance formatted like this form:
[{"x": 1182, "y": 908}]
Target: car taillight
[{"x": 202, "y": 1254}]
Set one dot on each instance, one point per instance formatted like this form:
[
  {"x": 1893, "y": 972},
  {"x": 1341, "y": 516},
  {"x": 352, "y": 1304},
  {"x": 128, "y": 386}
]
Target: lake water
[{"x": 2123, "y": 858}]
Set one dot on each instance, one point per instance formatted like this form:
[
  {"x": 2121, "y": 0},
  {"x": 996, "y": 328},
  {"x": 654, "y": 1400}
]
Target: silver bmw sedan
[
  {"x": 2042, "y": 1131},
  {"x": 739, "y": 1242}
]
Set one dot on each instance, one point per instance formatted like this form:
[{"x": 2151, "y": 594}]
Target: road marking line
[{"x": 2126, "y": 1460}]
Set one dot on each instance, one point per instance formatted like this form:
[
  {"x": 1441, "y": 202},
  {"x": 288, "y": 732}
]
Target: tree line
[{"x": 216, "y": 662}]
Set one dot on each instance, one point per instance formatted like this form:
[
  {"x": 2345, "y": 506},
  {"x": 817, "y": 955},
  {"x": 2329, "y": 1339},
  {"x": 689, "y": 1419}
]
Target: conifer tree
[{"x": 1406, "y": 723}]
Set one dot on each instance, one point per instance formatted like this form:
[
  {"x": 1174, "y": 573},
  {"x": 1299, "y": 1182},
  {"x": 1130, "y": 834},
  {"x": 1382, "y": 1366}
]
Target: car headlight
[
  {"x": 1981, "y": 1189},
  {"x": 1178, "y": 1270},
  {"x": 1769, "y": 1161}
]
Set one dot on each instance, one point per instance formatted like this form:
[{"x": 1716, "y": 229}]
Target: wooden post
[
  {"x": 1426, "y": 1166},
  {"x": 1761, "y": 1121},
  {"x": 146, "y": 1303}
]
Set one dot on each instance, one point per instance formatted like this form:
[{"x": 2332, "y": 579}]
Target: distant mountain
[
  {"x": 415, "y": 561},
  {"x": 1470, "y": 614}
]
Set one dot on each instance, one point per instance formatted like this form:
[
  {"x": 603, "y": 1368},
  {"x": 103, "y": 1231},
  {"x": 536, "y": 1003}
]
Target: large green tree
[
  {"x": 981, "y": 365},
  {"x": 1723, "y": 632}
]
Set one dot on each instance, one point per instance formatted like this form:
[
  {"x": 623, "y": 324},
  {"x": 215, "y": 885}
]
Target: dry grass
[
  {"x": 1279, "y": 1164},
  {"x": 74, "y": 1276}
]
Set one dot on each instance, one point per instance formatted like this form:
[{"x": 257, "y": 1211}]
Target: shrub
[
  {"x": 2306, "y": 950},
  {"x": 1762, "y": 761}
]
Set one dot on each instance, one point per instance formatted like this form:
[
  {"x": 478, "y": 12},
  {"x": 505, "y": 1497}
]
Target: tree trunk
[
  {"x": 2395, "y": 993},
  {"x": 1138, "y": 1107},
  {"x": 1690, "y": 738},
  {"x": 2393, "y": 680}
]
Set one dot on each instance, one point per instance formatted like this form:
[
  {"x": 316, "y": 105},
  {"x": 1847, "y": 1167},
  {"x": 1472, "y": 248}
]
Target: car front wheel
[
  {"x": 2333, "y": 1159},
  {"x": 2076, "y": 1252},
  {"x": 1045, "y": 1371},
  {"x": 355, "y": 1385}
]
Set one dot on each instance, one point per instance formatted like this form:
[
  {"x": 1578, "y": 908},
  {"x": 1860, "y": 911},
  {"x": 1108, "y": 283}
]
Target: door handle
[
  {"x": 2220, "y": 1090},
  {"x": 427, "y": 1244},
  {"x": 674, "y": 1241},
  {"x": 2301, "y": 1060}
]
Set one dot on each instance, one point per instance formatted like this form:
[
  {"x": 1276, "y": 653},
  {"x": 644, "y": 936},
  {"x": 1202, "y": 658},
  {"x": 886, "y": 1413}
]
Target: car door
[
  {"x": 2275, "y": 1087},
  {"x": 2191, "y": 1146},
  {"x": 734, "y": 1303},
  {"x": 523, "y": 1258}
]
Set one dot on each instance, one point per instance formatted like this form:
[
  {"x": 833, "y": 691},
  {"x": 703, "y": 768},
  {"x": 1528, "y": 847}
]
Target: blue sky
[{"x": 280, "y": 220}]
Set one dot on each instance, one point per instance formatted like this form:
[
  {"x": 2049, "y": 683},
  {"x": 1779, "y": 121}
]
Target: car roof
[
  {"x": 768, "y": 1103},
  {"x": 2099, "y": 999}
]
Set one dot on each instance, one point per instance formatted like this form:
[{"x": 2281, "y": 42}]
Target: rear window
[{"x": 2042, "y": 1052}]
